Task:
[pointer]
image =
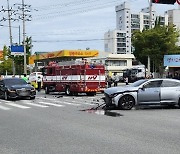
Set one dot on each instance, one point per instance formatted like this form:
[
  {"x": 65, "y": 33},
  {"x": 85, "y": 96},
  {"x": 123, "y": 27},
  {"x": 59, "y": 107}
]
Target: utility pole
[
  {"x": 10, "y": 35},
  {"x": 150, "y": 26},
  {"x": 24, "y": 37},
  {"x": 23, "y": 16}
]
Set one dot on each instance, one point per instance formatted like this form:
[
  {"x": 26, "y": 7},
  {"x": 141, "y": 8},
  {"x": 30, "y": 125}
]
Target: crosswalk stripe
[
  {"x": 57, "y": 105},
  {"x": 63, "y": 102},
  {"x": 4, "y": 108},
  {"x": 67, "y": 103},
  {"x": 83, "y": 103},
  {"x": 33, "y": 104},
  {"x": 17, "y": 105},
  {"x": 4, "y": 101}
]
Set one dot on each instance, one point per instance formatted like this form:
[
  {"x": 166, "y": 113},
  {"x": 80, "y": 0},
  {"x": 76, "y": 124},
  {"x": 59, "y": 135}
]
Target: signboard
[
  {"x": 17, "y": 50},
  {"x": 64, "y": 54},
  {"x": 172, "y": 60}
]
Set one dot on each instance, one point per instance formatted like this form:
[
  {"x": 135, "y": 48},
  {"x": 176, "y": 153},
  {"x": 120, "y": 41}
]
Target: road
[{"x": 55, "y": 124}]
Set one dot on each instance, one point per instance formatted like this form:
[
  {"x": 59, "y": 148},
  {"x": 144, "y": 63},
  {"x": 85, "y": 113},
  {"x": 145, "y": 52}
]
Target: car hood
[
  {"x": 28, "y": 87},
  {"x": 114, "y": 90}
]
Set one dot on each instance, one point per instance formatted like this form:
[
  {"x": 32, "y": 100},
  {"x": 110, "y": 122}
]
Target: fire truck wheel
[
  {"x": 68, "y": 92},
  {"x": 91, "y": 94},
  {"x": 46, "y": 90}
]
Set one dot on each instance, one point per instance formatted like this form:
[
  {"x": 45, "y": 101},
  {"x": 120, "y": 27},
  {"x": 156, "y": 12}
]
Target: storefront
[{"x": 172, "y": 63}]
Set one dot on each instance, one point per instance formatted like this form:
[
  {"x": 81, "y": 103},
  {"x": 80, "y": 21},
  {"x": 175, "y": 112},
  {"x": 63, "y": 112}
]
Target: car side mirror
[{"x": 142, "y": 88}]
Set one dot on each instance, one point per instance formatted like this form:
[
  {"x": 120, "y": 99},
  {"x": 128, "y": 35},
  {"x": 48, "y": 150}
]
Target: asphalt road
[{"x": 55, "y": 124}]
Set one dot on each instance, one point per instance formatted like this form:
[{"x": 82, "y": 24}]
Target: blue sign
[
  {"x": 17, "y": 49},
  {"x": 172, "y": 60}
]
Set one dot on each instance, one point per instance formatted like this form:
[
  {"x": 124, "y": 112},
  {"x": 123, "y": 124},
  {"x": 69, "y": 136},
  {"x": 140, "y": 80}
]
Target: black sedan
[{"x": 16, "y": 88}]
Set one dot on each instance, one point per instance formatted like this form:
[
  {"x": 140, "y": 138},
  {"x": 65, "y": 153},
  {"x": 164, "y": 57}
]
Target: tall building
[
  {"x": 126, "y": 23},
  {"x": 173, "y": 18}
]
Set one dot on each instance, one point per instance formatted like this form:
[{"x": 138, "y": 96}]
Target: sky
[{"x": 71, "y": 24}]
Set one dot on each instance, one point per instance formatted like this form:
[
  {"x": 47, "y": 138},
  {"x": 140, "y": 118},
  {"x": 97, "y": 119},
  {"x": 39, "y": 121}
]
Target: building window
[{"x": 117, "y": 63}]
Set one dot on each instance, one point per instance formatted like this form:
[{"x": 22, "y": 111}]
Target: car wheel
[
  {"x": 46, "y": 90},
  {"x": 6, "y": 95},
  {"x": 67, "y": 91},
  {"x": 126, "y": 102}
]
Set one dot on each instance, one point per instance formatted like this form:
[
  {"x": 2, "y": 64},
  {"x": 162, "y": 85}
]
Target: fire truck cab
[{"x": 73, "y": 79}]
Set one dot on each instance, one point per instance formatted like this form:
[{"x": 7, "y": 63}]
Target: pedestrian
[
  {"x": 109, "y": 81},
  {"x": 1, "y": 77},
  {"x": 115, "y": 79},
  {"x": 25, "y": 78},
  {"x": 176, "y": 76},
  {"x": 126, "y": 80},
  {"x": 39, "y": 82}
]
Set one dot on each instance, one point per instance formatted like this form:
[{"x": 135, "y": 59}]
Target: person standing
[
  {"x": 126, "y": 80},
  {"x": 25, "y": 78},
  {"x": 39, "y": 82}
]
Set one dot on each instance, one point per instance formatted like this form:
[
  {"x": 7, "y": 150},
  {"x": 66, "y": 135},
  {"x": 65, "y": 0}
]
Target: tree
[
  {"x": 6, "y": 64},
  {"x": 156, "y": 43}
]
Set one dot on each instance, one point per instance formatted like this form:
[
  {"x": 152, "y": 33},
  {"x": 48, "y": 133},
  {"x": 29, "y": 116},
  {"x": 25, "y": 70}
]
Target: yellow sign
[{"x": 64, "y": 53}]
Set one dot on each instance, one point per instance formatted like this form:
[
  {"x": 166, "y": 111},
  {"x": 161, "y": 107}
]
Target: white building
[
  {"x": 173, "y": 18},
  {"x": 114, "y": 62},
  {"x": 116, "y": 42},
  {"x": 126, "y": 23}
]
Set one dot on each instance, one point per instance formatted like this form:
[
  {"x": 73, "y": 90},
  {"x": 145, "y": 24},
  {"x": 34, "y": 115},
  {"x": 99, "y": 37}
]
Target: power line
[
  {"x": 78, "y": 40},
  {"x": 75, "y": 11}
]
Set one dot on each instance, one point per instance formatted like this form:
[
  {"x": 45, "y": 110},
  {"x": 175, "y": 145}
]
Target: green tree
[
  {"x": 6, "y": 63},
  {"x": 156, "y": 43}
]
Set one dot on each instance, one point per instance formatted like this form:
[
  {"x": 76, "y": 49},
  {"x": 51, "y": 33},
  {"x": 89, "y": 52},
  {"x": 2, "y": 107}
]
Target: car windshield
[
  {"x": 14, "y": 82},
  {"x": 138, "y": 83}
]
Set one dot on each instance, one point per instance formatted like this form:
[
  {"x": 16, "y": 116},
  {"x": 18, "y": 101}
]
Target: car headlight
[
  {"x": 113, "y": 95},
  {"x": 11, "y": 90},
  {"x": 32, "y": 89}
]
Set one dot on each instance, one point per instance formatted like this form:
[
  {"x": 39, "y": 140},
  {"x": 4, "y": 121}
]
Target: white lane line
[
  {"x": 4, "y": 108},
  {"x": 67, "y": 103},
  {"x": 17, "y": 105},
  {"x": 57, "y": 105},
  {"x": 83, "y": 103},
  {"x": 63, "y": 102},
  {"x": 5, "y": 101},
  {"x": 33, "y": 104}
]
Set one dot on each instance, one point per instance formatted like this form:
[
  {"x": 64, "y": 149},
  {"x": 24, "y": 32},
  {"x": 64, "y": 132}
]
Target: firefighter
[{"x": 39, "y": 81}]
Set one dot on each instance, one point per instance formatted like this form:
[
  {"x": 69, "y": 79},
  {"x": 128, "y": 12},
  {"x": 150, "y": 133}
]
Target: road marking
[
  {"x": 4, "y": 108},
  {"x": 57, "y": 105},
  {"x": 5, "y": 101},
  {"x": 17, "y": 105},
  {"x": 83, "y": 103},
  {"x": 67, "y": 103},
  {"x": 33, "y": 104},
  {"x": 57, "y": 101}
]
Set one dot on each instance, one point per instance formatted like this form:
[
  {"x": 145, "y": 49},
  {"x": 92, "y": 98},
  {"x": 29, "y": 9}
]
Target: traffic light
[{"x": 164, "y": 1}]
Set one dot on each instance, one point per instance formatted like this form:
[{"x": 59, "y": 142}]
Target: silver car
[{"x": 144, "y": 92}]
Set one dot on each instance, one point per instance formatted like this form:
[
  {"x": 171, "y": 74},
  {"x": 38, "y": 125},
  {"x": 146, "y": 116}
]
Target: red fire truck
[{"x": 73, "y": 79}]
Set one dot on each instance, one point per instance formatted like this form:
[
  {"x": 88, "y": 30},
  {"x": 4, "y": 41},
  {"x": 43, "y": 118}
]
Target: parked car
[
  {"x": 16, "y": 88},
  {"x": 144, "y": 92}
]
